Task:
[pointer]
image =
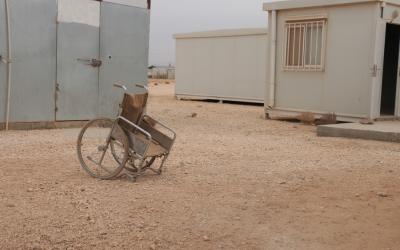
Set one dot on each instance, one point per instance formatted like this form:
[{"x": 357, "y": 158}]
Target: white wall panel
[
  {"x": 135, "y": 3},
  {"x": 79, "y": 11},
  {"x": 223, "y": 65}
]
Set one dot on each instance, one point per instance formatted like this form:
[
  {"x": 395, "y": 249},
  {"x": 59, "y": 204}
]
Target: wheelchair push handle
[
  {"x": 119, "y": 85},
  {"x": 122, "y": 86},
  {"x": 142, "y": 86}
]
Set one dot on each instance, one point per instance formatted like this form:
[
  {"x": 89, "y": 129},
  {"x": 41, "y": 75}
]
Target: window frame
[{"x": 303, "y": 24}]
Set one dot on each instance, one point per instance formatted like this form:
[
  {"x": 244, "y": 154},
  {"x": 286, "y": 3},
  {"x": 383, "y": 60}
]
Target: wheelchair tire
[{"x": 94, "y": 151}]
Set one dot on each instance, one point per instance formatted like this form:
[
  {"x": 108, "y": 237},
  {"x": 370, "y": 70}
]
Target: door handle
[{"x": 92, "y": 62}]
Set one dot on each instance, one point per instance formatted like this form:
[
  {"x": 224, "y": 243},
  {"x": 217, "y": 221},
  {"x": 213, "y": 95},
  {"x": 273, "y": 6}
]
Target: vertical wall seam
[
  {"x": 56, "y": 86},
  {"x": 100, "y": 58},
  {"x": 272, "y": 54},
  {"x": 9, "y": 67}
]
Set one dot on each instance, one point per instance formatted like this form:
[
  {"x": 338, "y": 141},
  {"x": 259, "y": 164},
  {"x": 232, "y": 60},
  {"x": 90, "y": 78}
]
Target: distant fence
[{"x": 162, "y": 73}]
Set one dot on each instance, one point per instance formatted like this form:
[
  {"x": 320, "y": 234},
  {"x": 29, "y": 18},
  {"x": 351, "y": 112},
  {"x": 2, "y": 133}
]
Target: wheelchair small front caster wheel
[{"x": 131, "y": 178}]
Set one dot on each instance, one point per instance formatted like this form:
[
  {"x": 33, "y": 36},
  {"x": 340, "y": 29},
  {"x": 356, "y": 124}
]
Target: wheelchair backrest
[{"x": 134, "y": 106}]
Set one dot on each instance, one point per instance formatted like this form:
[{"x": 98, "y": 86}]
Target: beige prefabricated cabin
[
  {"x": 224, "y": 65},
  {"x": 333, "y": 56}
]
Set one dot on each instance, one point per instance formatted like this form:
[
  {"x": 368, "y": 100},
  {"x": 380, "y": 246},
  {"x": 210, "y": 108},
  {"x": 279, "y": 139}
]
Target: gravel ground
[{"x": 233, "y": 181}]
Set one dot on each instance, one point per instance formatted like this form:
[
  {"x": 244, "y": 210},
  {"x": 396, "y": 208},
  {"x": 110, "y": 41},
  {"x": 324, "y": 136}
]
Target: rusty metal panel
[
  {"x": 3, "y": 65},
  {"x": 124, "y": 45},
  {"x": 33, "y": 38}
]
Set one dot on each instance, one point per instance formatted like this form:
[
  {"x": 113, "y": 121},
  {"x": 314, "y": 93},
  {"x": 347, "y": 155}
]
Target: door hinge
[
  {"x": 374, "y": 70},
  {"x": 56, "y": 97}
]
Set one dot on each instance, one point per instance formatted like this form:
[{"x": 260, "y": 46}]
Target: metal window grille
[{"x": 305, "y": 45}]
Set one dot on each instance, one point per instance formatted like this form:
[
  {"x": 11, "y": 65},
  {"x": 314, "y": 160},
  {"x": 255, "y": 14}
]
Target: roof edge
[
  {"x": 299, "y": 4},
  {"x": 223, "y": 33},
  {"x": 133, "y": 3}
]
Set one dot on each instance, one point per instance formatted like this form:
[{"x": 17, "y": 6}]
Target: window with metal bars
[{"x": 305, "y": 45}]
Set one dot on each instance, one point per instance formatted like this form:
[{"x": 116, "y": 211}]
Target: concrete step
[{"x": 388, "y": 131}]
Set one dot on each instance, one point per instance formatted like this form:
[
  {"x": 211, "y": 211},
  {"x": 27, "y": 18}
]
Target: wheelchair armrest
[
  {"x": 150, "y": 120},
  {"x": 141, "y": 130},
  {"x": 161, "y": 137}
]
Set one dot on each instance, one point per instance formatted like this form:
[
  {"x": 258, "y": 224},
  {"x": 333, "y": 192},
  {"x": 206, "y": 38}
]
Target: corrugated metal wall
[
  {"x": 78, "y": 40},
  {"x": 33, "y": 34},
  {"x": 124, "y": 51},
  {"x": 50, "y": 78}
]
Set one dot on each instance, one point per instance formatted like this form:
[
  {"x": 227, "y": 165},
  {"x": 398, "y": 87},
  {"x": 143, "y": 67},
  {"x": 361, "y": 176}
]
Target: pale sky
[{"x": 169, "y": 17}]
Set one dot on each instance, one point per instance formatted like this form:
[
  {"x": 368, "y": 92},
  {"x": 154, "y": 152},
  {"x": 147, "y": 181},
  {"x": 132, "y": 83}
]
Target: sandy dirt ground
[{"x": 233, "y": 181}]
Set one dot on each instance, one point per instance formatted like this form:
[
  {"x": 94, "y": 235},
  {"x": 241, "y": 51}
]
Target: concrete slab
[
  {"x": 43, "y": 125},
  {"x": 380, "y": 131}
]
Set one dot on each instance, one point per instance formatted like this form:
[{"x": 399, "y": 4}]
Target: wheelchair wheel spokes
[
  {"x": 96, "y": 155},
  {"x": 117, "y": 150}
]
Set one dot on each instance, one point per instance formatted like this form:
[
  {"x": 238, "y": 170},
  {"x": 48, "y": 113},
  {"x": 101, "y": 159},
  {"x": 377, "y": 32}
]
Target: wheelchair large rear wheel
[{"x": 94, "y": 148}]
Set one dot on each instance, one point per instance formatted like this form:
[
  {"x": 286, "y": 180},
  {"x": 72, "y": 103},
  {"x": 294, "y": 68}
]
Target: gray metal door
[
  {"x": 33, "y": 39},
  {"x": 3, "y": 66},
  {"x": 124, "y": 43},
  {"x": 77, "y": 47}
]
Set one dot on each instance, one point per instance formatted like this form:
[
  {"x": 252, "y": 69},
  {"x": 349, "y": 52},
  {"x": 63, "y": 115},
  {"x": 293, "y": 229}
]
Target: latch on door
[
  {"x": 4, "y": 60},
  {"x": 92, "y": 62}
]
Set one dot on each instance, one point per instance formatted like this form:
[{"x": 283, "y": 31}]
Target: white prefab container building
[
  {"x": 333, "y": 56},
  {"x": 222, "y": 65}
]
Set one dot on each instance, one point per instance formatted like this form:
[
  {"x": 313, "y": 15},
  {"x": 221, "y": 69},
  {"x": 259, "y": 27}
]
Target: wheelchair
[{"x": 129, "y": 145}]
